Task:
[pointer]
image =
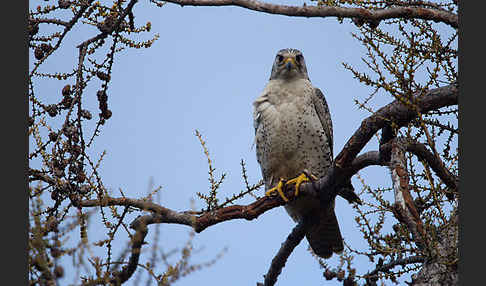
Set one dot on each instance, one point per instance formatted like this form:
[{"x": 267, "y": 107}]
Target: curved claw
[
  {"x": 298, "y": 180},
  {"x": 279, "y": 190}
]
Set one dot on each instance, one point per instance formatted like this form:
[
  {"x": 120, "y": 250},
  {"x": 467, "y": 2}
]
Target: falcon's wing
[
  {"x": 262, "y": 99},
  {"x": 259, "y": 142},
  {"x": 256, "y": 119},
  {"x": 322, "y": 110}
]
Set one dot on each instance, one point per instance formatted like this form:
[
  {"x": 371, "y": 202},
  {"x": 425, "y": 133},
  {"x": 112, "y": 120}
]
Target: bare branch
[
  {"x": 137, "y": 241},
  {"x": 49, "y": 21},
  {"x": 67, "y": 28},
  {"x": 328, "y": 11},
  {"x": 36, "y": 175},
  {"x": 397, "y": 262},
  {"x": 112, "y": 28},
  {"x": 162, "y": 214},
  {"x": 278, "y": 262},
  {"x": 398, "y": 113}
]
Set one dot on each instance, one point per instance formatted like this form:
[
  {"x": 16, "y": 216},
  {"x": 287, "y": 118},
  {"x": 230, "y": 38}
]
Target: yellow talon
[
  {"x": 298, "y": 180},
  {"x": 304, "y": 177},
  {"x": 278, "y": 188}
]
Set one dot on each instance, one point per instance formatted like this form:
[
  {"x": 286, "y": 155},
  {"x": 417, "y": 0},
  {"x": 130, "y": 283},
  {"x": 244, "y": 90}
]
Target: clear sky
[{"x": 204, "y": 72}]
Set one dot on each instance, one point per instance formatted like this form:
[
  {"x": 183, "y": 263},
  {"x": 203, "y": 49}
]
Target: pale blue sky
[{"x": 204, "y": 72}]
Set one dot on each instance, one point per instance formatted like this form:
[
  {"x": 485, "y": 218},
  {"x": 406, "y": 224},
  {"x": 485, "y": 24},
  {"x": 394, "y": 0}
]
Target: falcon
[{"x": 294, "y": 142}]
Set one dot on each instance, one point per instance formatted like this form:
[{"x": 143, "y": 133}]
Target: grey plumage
[{"x": 293, "y": 133}]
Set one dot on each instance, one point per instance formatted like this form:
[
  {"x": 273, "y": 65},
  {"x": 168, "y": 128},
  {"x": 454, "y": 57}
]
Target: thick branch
[
  {"x": 278, "y": 262},
  {"x": 201, "y": 222},
  {"x": 137, "y": 242},
  {"x": 398, "y": 113},
  {"x": 442, "y": 269},
  {"x": 327, "y": 11}
]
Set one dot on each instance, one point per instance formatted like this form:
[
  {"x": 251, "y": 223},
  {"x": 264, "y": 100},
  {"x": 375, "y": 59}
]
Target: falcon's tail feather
[{"x": 325, "y": 237}]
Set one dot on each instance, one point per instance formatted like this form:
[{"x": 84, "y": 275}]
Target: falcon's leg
[
  {"x": 304, "y": 177},
  {"x": 278, "y": 188}
]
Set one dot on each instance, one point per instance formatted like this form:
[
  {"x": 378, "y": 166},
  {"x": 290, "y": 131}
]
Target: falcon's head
[{"x": 289, "y": 64}]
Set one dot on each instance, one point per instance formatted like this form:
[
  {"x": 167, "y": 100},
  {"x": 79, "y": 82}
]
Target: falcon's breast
[{"x": 289, "y": 135}]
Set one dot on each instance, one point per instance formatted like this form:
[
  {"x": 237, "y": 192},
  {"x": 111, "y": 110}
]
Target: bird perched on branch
[{"x": 294, "y": 142}]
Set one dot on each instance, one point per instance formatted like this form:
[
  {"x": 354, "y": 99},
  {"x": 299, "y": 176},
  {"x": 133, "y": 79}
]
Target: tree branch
[
  {"x": 162, "y": 214},
  {"x": 390, "y": 265},
  {"x": 36, "y": 175},
  {"x": 49, "y": 21},
  {"x": 377, "y": 15},
  {"x": 398, "y": 113},
  {"x": 249, "y": 212},
  {"x": 441, "y": 269},
  {"x": 278, "y": 262},
  {"x": 67, "y": 28},
  {"x": 109, "y": 29},
  {"x": 137, "y": 242}
]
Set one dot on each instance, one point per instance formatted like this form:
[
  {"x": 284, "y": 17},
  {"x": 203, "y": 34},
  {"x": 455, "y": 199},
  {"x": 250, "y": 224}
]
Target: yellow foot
[
  {"x": 304, "y": 177},
  {"x": 278, "y": 188}
]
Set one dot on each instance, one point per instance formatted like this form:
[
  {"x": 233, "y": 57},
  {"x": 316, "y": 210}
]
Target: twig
[
  {"x": 49, "y": 21},
  {"x": 390, "y": 265},
  {"x": 116, "y": 25}
]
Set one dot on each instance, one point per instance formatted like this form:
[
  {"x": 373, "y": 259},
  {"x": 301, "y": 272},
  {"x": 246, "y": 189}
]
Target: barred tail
[{"x": 325, "y": 236}]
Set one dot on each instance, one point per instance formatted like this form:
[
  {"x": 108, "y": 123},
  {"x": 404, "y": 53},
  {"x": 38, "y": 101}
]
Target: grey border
[
  {"x": 15, "y": 139},
  {"x": 471, "y": 144}
]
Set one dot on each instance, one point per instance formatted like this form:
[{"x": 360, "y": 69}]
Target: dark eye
[
  {"x": 299, "y": 58},
  {"x": 280, "y": 58}
]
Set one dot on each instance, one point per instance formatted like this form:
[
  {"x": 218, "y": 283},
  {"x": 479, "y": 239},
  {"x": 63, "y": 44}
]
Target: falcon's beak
[{"x": 289, "y": 63}]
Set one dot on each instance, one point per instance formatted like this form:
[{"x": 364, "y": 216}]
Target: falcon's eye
[
  {"x": 280, "y": 58},
  {"x": 299, "y": 58}
]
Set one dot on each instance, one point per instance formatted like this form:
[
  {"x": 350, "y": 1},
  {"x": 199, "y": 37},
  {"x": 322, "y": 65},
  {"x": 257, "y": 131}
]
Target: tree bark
[{"x": 442, "y": 270}]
